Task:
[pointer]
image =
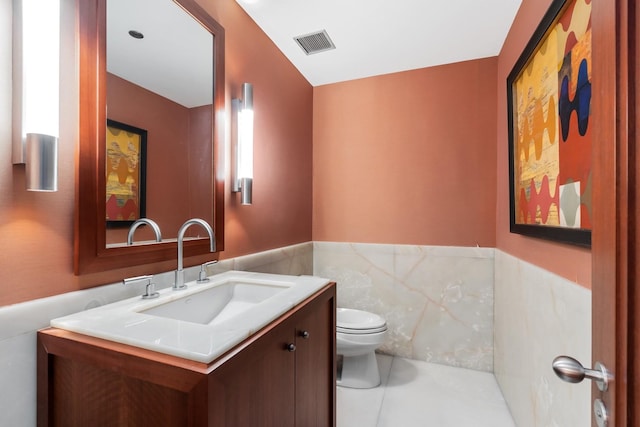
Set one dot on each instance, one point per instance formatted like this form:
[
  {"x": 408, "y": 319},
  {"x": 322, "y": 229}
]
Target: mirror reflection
[{"x": 160, "y": 84}]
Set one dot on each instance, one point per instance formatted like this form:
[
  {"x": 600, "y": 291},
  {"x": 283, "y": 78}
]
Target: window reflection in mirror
[{"x": 160, "y": 80}]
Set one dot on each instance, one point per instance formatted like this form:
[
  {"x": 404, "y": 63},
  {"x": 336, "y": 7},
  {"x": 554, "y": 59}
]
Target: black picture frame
[
  {"x": 573, "y": 236},
  {"x": 115, "y": 154}
]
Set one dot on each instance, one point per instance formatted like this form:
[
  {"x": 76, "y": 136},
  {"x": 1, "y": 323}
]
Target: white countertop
[{"x": 123, "y": 321}]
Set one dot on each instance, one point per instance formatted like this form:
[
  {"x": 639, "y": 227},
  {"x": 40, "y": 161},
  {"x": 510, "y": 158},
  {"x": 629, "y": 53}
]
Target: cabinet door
[
  {"x": 315, "y": 365},
  {"x": 256, "y": 386}
]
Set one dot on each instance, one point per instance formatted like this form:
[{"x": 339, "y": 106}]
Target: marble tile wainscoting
[
  {"x": 20, "y": 322},
  {"x": 539, "y": 316},
  {"x": 439, "y": 305},
  {"x": 437, "y": 301}
]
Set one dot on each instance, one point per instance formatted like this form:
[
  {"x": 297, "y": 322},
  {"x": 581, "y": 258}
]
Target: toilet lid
[
  {"x": 350, "y": 320},
  {"x": 361, "y": 331}
]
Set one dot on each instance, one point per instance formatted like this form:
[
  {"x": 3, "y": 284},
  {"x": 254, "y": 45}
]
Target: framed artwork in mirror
[
  {"x": 126, "y": 155},
  {"x": 549, "y": 100}
]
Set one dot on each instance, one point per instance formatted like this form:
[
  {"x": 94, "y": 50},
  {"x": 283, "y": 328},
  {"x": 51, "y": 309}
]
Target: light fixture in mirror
[{"x": 195, "y": 154}]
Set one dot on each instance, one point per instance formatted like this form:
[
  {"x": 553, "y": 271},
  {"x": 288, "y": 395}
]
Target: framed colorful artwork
[
  {"x": 549, "y": 101},
  {"x": 125, "y": 173}
]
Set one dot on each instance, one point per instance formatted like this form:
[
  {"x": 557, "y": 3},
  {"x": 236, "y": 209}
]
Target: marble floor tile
[
  {"x": 361, "y": 408},
  {"x": 415, "y": 394}
]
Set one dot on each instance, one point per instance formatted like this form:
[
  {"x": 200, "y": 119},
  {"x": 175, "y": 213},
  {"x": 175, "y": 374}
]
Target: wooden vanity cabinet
[{"x": 284, "y": 375}]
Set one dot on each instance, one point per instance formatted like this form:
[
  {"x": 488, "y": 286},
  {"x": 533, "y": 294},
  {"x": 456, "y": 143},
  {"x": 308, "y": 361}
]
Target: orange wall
[
  {"x": 178, "y": 172},
  {"x": 282, "y": 102},
  {"x": 36, "y": 230},
  {"x": 567, "y": 261},
  {"x": 407, "y": 158},
  {"x": 167, "y": 124},
  {"x": 384, "y": 153}
]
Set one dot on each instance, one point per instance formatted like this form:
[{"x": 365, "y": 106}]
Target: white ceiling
[
  {"x": 175, "y": 57},
  {"x": 372, "y": 37},
  {"x": 375, "y": 37}
]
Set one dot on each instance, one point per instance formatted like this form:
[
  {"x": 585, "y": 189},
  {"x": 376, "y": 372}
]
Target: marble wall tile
[
  {"x": 295, "y": 260},
  {"x": 18, "y": 380},
  {"x": 539, "y": 316},
  {"x": 437, "y": 301},
  {"x": 19, "y": 322}
]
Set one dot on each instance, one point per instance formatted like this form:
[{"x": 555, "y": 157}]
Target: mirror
[
  {"x": 159, "y": 112},
  {"x": 169, "y": 85}
]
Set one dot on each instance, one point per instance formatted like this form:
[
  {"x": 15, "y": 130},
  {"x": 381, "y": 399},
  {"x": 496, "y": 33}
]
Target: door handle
[{"x": 570, "y": 370}]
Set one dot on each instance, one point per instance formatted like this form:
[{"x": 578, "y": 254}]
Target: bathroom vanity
[{"x": 283, "y": 374}]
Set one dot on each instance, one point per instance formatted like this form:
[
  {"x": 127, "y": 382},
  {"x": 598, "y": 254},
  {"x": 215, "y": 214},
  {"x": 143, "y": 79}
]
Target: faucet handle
[
  {"x": 150, "y": 288},
  {"x": 202, "y": 277}
]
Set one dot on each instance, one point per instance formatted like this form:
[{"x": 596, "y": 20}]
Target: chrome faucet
[
  {"x": 179, "y": 282},
  {"x": 150, "y": 288},
  {"x": 151, "y": 223},
  {"x": 202, "y": 276}
]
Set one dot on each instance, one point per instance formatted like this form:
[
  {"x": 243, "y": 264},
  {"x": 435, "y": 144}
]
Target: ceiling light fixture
[{"x": 136, "y": 34}]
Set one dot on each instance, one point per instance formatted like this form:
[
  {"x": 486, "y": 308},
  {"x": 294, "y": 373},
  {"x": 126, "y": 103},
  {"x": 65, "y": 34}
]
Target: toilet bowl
[{"x": 358, "y": 334}]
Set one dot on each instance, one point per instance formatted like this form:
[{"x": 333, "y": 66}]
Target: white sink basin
[
  {"x": 201, "y": 322},
  {"x": 217, "y": 304}
]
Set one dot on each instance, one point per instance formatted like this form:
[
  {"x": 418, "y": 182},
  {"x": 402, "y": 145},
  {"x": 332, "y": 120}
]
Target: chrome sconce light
[
  {"x": 242, "y": 181},
  {"x": 36, "y": 72}
]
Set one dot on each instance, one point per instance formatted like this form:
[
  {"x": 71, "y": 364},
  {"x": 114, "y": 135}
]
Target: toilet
[{"x": 358, "y": 334}]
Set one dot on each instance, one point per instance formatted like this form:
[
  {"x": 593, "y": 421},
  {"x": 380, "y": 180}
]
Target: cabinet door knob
[
  {"x": 304, "y": 334},
  {"x": 291, "y": 347}
]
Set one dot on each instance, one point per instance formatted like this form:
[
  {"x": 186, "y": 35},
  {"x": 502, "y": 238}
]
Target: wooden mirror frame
[{"x": 90, "y": 252}]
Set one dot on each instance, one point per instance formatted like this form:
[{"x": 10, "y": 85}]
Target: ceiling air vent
[{"x": 315, "y": 42}]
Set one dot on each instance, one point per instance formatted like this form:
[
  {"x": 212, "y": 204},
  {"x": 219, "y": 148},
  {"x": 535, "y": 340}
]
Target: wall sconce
[
  {"x": 243, "y": 122},
  {"x": 36, "y": 86}
]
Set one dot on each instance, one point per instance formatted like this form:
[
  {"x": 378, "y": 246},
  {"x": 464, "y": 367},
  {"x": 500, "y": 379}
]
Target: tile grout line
[{"x": 384, "y": 393}]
